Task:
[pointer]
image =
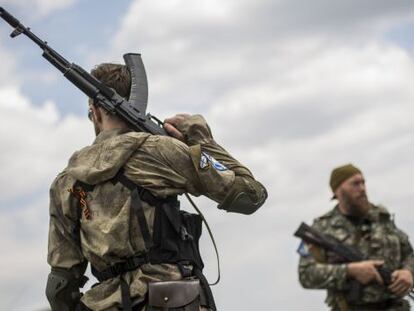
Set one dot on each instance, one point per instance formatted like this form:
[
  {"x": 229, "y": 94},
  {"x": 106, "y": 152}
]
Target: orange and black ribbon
[{"x": 81, "y": 195}]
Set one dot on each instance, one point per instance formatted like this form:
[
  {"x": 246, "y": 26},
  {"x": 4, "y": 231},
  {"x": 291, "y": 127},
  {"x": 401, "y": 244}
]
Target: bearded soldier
[
  {"x": 115, "y": 207},
  {"x": 356, "y": 222}
]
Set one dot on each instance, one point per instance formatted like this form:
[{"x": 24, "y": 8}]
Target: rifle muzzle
[{"x": 9, "y": 18}]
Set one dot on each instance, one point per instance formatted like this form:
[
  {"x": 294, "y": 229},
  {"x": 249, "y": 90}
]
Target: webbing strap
[
  {"x": 126, "y": 298},
  {"x": 130, "y": 264},
  {"x": 144, "y": 194},
  {"x": 120, "y": 177},
  {"x": 137, "y": 208},
  {"x": 206, "y": 289},
  {"x": 136, "y": 205},
  {"x": 86, "y": 187}
]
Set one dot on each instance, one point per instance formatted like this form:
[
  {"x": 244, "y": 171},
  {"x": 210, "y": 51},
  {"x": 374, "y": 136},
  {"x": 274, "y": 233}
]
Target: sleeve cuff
[
  {"x": 341, "y": 276},
  {"x": 196, "y": 131}
]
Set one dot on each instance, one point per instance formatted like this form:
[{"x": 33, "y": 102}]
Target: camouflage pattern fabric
[
  {"x": 376, "y": 236},
  {"x": 163, "y": 165}
]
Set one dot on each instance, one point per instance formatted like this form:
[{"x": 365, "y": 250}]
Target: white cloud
[
  {"x": 40, "y": 7},
  {"x": 308, "y": 94},
  {"x": 192, "y": 56},
  {"x": 8, "y": 64},
  {"x": 181, "y": 27},
  {"x": 23, "y": 232},
  {"x": 37, "y": 142}
]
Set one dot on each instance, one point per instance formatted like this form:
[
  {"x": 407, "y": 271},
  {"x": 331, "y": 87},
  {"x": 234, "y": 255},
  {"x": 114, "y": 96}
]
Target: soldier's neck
[{"x": 112, "y": 124}]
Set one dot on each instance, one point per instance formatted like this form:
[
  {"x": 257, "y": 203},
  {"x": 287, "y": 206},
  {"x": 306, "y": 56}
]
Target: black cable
[{"x": 211, "y": 236}]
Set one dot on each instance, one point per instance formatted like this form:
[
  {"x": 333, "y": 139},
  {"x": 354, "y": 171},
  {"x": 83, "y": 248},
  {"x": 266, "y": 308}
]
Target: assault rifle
[
  {"x": 345, "y": 253},
  {"x": 132, "y": 111}
]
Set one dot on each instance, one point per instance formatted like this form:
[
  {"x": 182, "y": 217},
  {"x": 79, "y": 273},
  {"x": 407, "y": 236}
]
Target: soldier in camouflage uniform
[
  {"x": 91, "y": 217},
  {"x": 370, "y": 228}
]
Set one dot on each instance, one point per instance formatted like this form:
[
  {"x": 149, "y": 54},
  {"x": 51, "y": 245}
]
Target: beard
[{"x": 356, "y": 206}]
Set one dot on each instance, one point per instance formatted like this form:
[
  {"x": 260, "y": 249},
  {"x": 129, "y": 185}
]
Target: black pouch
[
  {"x": 176, "y": 237},
  {"x": 174, "y": 296}
]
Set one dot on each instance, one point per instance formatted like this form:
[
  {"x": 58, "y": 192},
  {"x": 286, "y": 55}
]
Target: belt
[
  {"x": 117, "y": 269},
  {"x": 383, "y": 305}
]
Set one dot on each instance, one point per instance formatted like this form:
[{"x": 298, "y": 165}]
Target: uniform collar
[
  {"x": 104, "y": 135},
  {"x": 372, "y": 216}
]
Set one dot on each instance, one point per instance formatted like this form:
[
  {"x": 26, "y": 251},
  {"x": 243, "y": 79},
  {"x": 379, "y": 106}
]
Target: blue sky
[
  {"x": 71, "y": 32},
  {"x": 402, "y": 35},
  {"x": 291, "y": 88}
]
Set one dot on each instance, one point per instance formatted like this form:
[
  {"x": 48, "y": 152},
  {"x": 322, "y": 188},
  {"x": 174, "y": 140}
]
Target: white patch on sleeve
[
  {"x": 203, "y": 162},
  {"x": 207, "y": 159},
  {"x": 303, "y": 250}
]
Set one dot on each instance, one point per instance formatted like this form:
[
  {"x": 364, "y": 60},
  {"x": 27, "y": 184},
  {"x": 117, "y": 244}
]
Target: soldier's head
[
  {"x": 348, "y": 185},
  {"x": 117, "y": 77}
]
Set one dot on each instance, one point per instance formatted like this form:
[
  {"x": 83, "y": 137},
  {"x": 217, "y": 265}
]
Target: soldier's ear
[
  {"x": 336, "y": 195},
  {"x": 97, "y": 113}
]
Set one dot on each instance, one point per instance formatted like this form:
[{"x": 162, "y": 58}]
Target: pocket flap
[{"x": 173, "y": 294}]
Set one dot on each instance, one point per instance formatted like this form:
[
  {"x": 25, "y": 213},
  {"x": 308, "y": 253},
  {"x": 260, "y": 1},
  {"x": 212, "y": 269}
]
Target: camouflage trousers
[
  {"x": 401, "y": 305},
  {"x": 144, "y": 308},
  {"x": 155, "y": 309}
]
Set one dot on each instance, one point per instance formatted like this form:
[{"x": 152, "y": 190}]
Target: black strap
[
  {"x": 117, "y": 269},
  {"x": 139, "y": 194},
  {"x": 145, "y": 195},
  {"x": 86, "y": 187},
  {"x": 136, "y": 205},
  {"x": 133, "y": 262},
  {"x": 126, "y": 298},
  {"x": 121, "y": 178},
  {"x": 378, "y": 305},
  {"x": 206, "y": 289},
  {"x": 82, "y": 307}
]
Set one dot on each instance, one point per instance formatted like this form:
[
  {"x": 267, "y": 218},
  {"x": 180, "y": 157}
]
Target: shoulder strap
[
  {"x": 139, "y": 194},
  {"x": 136, "y": 205}
]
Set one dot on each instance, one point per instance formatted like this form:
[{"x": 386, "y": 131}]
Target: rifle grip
[
  {"x": 354, "y": 291},
  {"x": 385, "y": 275}
]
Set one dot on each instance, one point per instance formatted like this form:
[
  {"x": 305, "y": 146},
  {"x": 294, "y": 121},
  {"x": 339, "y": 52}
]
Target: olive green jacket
[{"x": 163, "y": 165}]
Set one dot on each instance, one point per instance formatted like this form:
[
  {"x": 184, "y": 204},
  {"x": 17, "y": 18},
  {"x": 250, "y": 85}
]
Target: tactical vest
[{"x": 175, "y": 239}]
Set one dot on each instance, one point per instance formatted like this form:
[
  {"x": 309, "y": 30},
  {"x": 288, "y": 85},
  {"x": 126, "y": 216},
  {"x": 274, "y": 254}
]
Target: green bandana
[{"x": 342, "y": 173}]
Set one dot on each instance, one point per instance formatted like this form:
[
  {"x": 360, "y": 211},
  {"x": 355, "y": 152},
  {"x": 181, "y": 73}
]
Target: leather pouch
[{"x": 174, "y": 295}]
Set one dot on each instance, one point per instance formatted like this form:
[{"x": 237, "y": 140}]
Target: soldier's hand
[
  {"x": 365, "y": 272},
  {"x": 401, "y": 282},
  {"x": 171, "y": 124}
]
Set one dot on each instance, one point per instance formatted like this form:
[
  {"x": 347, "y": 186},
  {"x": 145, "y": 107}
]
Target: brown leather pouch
[{"x": 174, "y": 295}]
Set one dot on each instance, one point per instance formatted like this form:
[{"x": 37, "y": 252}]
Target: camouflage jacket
[
  {"x": 162, "y": 165},
  {"x": 376, "y": 236}
]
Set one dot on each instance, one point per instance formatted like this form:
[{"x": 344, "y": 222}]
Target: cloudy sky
[{"x": 292, "y": 88}]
